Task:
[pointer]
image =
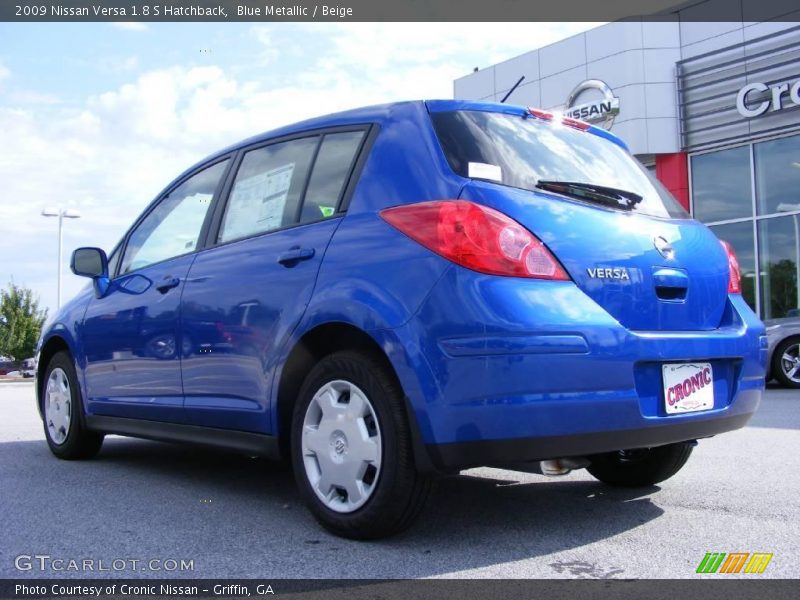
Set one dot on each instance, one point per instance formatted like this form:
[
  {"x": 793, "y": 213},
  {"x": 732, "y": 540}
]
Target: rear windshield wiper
[{"x": 593, "y": 193}]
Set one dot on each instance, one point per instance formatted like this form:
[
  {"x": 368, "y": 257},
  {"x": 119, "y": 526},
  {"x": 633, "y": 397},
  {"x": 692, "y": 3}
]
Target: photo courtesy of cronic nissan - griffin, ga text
[{"x": 390, "y": 293}]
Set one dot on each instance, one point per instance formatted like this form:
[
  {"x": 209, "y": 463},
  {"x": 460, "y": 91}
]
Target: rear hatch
[{"x": 637, "y": 253}]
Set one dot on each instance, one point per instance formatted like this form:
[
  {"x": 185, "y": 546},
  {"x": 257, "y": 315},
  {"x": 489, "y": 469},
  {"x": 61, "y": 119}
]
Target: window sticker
[
  {"x": 327, "y": 211},
  {"x": 258, "y": 202},
  {"x": 273, "y": 196},
  {"x": 484, "y": 171}
]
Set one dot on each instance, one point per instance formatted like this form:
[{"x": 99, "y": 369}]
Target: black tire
[
  {"x": 400, "y": 492},
  {"x": 642, "y": 467},
  {"x": 79, "y": 443},
  {"x": 777, "y": 371}
]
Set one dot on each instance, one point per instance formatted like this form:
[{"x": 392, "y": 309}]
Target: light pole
[
  {"x": 789, "y": 207},
  {"x": 61, "y": 214}
]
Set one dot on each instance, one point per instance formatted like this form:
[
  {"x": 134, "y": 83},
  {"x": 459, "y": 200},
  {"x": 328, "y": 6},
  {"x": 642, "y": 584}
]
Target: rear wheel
[
  {"x": 786, "y": 363},
  {"x": 640, "y": 467},
  {"x": 351, "y": 449},
  {"x": 62, "y": 409}
]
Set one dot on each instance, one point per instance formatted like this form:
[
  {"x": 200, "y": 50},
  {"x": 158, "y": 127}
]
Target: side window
[
  {"x": 173, "y": 227},
  {"x": 267, "y": 189},
  {"x": 333, "y": 164}
]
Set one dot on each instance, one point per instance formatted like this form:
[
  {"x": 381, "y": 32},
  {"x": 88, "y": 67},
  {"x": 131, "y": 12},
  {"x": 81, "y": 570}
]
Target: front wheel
[
  {"x": 61, "y": 411},
  {"x": 351, "y": 449},
  {"x": 640, "y": 467}
]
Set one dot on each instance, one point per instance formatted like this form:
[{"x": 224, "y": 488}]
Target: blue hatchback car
[{"x": 398, "y": 291}]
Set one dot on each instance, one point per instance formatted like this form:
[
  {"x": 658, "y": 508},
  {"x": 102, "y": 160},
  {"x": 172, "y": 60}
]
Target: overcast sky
[{"x": 100, "y": 117}]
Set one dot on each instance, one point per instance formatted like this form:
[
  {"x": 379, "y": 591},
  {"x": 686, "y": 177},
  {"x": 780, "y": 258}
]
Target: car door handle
[
  {"x": 167, "y": 284},
  {"x": 294, "y": 255}
]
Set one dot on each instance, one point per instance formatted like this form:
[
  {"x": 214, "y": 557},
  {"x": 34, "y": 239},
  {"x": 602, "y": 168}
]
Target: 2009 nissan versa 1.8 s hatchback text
[{"x": 396, "y": 291}]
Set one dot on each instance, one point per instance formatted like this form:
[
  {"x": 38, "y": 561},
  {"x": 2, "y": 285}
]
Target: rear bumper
[
  {"x": 449, "y": 457},
  {"x": 502, "y": 370}
]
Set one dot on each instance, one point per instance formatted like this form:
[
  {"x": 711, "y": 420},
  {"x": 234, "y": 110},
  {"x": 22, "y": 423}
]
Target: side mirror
[{"x": 89, "y": 262}]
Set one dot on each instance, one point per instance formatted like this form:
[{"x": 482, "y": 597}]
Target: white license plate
[{"x": 688, "y": 387}]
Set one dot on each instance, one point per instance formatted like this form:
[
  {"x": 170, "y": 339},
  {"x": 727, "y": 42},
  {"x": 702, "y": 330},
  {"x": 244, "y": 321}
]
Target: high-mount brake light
[
  {"x": 546, "y": 115},
  {"x": 735, "y": 272},
  {"x": 476, "y": 237},
  {"x": 541, "y": 114},
  {"x": 576, "y": 123}
]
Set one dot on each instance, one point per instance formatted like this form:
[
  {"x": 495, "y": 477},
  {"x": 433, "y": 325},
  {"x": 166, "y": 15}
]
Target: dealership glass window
[
  {"x": 740, "y": 236},
  {"x": 779, "y": 253},
  {"x": 721, "y": 187},
  {"x": 777, "y": 165}
]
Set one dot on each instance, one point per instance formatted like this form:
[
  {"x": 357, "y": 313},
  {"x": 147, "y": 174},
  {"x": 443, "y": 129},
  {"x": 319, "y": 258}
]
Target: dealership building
[{"x": 713, "y": 109}]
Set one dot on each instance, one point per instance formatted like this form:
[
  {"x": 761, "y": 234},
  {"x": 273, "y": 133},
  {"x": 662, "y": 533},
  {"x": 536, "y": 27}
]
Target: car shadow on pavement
[
  {"x": 496, "y": 520},
  {"x": 151, "y": 498}
]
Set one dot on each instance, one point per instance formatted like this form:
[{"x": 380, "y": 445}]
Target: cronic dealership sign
[
  {"x": 756, "y": 98},
  {"x": 594, "y": 102}
]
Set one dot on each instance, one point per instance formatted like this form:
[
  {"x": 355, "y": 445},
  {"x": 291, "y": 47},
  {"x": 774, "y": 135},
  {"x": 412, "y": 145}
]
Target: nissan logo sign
[
  {"x": 598, "y": 112},
  {"x": 771, "y": 98}
]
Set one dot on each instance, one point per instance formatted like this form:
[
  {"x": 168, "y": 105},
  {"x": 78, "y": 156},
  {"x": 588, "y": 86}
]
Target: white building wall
[{"x": 636, "y": 59}]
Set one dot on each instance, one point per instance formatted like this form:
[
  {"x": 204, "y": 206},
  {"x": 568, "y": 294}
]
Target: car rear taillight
[
  {"x": 735, "y": 273},
  {"x": 476, "y": 237}
]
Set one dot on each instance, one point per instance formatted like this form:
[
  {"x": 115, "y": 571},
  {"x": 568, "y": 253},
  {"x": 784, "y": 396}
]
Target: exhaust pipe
[{"x": 554, "y": 467}]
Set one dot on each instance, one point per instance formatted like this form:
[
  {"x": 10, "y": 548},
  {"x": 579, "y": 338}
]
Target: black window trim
[
  {"x": 356, "y": 165},
  {"x": 118, "y": 247},
  {"x": 301, "y": 201},
  {"x": 123, "y": 244}
]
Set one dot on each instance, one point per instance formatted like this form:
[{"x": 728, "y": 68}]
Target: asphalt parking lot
[{"x": 234, "y": 516}]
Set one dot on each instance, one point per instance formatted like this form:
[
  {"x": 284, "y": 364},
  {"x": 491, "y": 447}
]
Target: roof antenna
[{"x": 511, "y": 91}]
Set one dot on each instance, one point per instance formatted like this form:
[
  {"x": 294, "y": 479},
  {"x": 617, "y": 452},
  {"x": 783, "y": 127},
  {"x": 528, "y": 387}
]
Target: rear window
[{"x": 519, "y": 152}]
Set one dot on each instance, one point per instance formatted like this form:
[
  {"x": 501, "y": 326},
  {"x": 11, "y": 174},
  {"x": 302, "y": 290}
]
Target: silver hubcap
[
  {"x": 790, "y": 362},
  {"x": 58, "y": 406},
  {"x": 341, "y": 446}
]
